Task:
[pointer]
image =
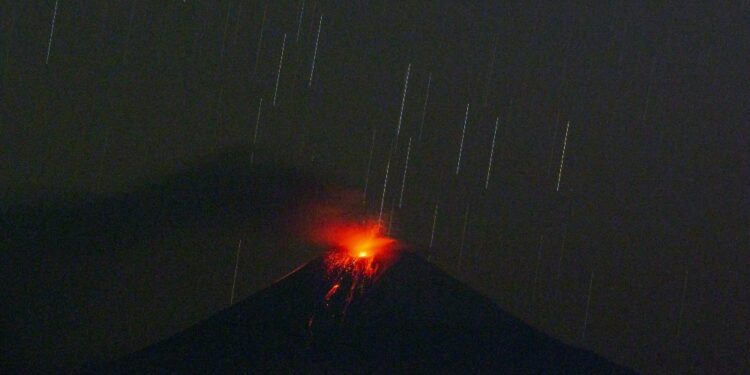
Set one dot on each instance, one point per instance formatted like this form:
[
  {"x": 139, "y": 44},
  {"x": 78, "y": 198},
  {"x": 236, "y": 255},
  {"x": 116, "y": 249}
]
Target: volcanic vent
[{"x": 383, "y": 311}]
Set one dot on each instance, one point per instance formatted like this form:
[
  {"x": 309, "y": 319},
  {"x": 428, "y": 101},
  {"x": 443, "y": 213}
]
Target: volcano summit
[{"x": 409, "y": 317}]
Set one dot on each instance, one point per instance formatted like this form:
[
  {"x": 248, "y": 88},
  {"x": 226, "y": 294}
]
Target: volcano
[{"x": 411, "y": 317}]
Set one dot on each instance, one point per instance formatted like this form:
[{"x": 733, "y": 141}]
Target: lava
[
  {"x": 358, "y": 253},
  {"x": 360, "y": 241}
]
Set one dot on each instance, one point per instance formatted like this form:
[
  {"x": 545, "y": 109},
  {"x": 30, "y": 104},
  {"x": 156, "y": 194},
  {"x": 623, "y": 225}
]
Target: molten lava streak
[{"x": 359, "y": 253}]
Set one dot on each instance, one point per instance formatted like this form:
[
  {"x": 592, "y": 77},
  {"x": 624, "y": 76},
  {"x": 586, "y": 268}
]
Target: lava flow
[
  {"x": 356, "y": 247},
  {"x": 358, "y": 254}
]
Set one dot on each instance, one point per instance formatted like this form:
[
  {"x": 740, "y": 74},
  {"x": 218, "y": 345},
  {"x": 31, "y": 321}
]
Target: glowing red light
[
  {"x": 332, "y": 291},
  {"x": 364, "y": 242},
  {"x": 358, "y": 252},
  {"x": 356, "y": 240}
]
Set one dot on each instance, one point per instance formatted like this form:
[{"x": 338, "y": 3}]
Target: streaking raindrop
[
  {"x": 562, "y": 158},
  {"x": 588, "y": 305},
  {"x": 463, "y": 134},
  {"x": 315, "y": 53},
  {"x": 403, "y": 179},
  {"x": 434, "y": 222},
  {"x": 260, "y": 40},
  {"x": 224, "y": 34},
  {"x": 648, "y": 90},
  {"x": 51, "y": 32},
  {"x": 278, "y": 74},
  {"x": 492, "y": 153},
  {"x": 463, "y": 238},
  {"x": 403, "y": 102},
  {"x": 424, "y": 107},
  {"x": 255, "y": 133},
  {"x": 236, "y": 268},
  {"x": 299, "y": 22},
  {"x": 385, "y": 185}
]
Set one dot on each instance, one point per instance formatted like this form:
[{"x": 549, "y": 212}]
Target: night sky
[{"x": 133, "y": 158}]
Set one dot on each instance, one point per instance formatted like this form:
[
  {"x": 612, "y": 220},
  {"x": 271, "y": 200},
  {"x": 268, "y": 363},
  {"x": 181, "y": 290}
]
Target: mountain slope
[{"x": 414, "y": 318}]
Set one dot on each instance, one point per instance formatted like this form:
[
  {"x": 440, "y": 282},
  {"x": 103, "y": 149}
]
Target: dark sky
[{"x": 152, "y": 106}]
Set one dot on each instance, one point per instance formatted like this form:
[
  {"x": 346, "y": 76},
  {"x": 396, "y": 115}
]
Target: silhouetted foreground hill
[{"x": 414, "y": 318}]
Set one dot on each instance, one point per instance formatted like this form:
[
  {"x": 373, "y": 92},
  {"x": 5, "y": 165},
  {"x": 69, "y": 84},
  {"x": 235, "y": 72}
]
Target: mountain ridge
[{"x": 414, "y": 318}]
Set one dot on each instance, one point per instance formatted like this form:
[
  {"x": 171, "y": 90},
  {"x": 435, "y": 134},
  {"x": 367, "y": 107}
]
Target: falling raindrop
[
  {"x": 255, "y": 132},
  {"x": 424, "y": 107},
  {"x": 492, "y": 153},
  {"x": 588, "y": 305},
  {"x": 260, "y": 40},
  {"x": 299, "y": 22},
  {"x": 463, "y": 238},
  {"x": 278, "y": 74},
  {"x": 463, "y": 133},
  {"x": 562, "y": 158},
  {"x": 51, "y": 32},
  {"x": 315, "y": 53},
  {"x": 236, "y": 268},
  {"x": 434, "y": 222},
  {"x": 403, "y": 180},
  {"x": 403, "y": 102}
]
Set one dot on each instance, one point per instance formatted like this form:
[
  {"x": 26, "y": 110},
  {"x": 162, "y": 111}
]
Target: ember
[{"x": 358, "y": 254}]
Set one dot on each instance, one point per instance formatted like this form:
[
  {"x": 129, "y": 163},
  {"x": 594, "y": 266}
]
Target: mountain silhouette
[{"x": 412, "y": 318}]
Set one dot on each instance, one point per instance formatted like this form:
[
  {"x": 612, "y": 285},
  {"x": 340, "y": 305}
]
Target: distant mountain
[{"x": 411, "y": 318}]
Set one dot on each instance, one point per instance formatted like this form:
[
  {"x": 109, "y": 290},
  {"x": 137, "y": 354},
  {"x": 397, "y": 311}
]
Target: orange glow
[
  {"x": 337, "y": 224},
  {"x": 359, "y": 253},
  {"x": 364, "y": 242},
  {"x": 356, "y": 240},
  {"x": 332, "y": 291}
]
